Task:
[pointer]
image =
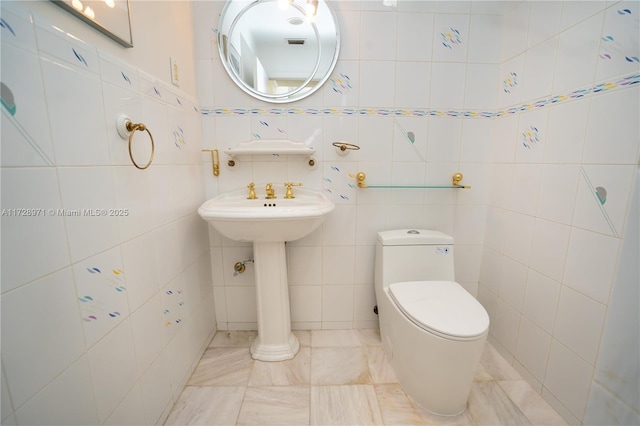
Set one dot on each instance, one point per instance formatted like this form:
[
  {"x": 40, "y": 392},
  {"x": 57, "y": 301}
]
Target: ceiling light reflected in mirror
[{"x": 111, "y": 17}]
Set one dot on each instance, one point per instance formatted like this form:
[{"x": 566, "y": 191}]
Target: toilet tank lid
[{"x": 413, "y": 237}]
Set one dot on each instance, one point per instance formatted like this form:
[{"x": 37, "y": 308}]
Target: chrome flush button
[{"x": 413, "y": 231}]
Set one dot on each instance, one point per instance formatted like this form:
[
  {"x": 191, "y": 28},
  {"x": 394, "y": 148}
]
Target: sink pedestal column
[{"x": 275, "y": 342}]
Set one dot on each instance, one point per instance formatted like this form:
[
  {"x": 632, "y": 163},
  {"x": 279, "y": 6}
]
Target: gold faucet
[
  {"x": 270, "y": 192},
  {"x": 252, "y": 192},
  {"x": 289, "y": 193}
]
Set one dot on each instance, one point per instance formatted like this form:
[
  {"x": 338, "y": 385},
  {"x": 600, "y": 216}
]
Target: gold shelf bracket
[
  {"x": 215, "y": 161},
  {"x": 361, "y": 177},
  {"x": 457, "y": 178}
]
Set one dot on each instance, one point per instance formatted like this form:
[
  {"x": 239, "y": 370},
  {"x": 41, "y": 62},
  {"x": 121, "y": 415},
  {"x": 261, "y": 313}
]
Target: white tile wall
[
  {"x": 539, "y": 64},
  {"x": 553, "y": 228},
  {"x": 87, "y": 338},
  {"x": 568, "y": 378},
  {"x": 544, "y": 251},
  {"x": 540, "y": 255},
  {"x": 577, "y": 54},
  {"x": 618, "y": 129},
  {"x": 331, "y": 269},
  {"x": 541, "y": 300},
  {"x": 620, "y": 339},
  {"x": 590, "y": 265},
  {"x": 48, "y": 314},
  {"x": 43, "y": 239},
  {"x": 414, "y": 27},
  {"x": 515, "y": 30},
  {"x": 71, "y": 389}
]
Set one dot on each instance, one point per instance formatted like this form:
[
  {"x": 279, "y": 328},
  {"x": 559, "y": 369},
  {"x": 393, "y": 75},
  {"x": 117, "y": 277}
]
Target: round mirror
[{"x": 278, "y": 50}]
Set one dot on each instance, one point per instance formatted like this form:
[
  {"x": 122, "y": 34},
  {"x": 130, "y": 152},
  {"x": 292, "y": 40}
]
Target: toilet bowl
[{"x": 433, "y": 331}]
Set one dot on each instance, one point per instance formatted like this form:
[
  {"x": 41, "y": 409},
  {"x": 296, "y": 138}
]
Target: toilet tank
[{"x": 413, "y": 255}]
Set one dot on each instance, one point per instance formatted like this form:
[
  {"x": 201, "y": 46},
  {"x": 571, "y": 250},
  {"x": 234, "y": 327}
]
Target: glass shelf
[
  {"x": 456, "y": 179},
  {"x": 417, "y": 186}
]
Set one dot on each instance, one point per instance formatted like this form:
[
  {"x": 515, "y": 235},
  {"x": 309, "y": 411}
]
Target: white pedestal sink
[{"x": 268, "y": 224}]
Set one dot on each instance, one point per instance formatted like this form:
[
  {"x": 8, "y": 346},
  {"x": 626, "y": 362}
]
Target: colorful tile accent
[
  {"x": 619, "y": 84},
  {"x": 530, "y": 137},
  {"x": 5, "y": 24},
  {"x": 178, "y": 137},
  {"x": 510, "y": 82},
  {"x": 341, "y": 84},
  {"x": 451, "y": 38}
]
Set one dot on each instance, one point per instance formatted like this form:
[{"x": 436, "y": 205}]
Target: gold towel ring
[
  {"x": 131, "y": 128},
  {"x": 343, "y": 146}
]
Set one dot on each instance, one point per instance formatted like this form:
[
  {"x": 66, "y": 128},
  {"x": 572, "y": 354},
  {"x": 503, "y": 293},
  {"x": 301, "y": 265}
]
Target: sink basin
[
  {"x": 278, "y": 219},
  {"x": 268, "y": 224}
]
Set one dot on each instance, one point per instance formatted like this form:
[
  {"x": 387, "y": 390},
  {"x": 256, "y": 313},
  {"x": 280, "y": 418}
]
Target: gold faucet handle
[
  {"x": 289, "y": 193},
  {"x": 252, "y": 192},
  {"x": 271, "y": 193}
]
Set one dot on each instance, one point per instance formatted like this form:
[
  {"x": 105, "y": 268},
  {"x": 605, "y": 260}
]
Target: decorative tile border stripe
[
  {"x": 622, "y": 83},
  {"x": 345, "y": 111},
  {"x": 576, "y": 94}
]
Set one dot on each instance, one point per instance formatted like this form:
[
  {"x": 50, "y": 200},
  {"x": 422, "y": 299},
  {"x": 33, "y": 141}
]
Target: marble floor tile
[
  {"x": 490, "y": 405},
  {"x": 275, "y": 405},
  {"x": 396, "y": 407},
  {"x": 340, "y": 377},
  {"x": 379, "y": 367},
  {"x": 292, "y": 372},
  {"x": 493, "y": 366},
  {"x": 531, "y": 403},
  {"x": 399, "y": 409},
  {"x": 463, "y": 419},
  {"x": 223, "y": 367},
  {"x": 345, "y": 405},
  {"x": 339, "y": 366},
  {"x": 369, "y": 337},
  {"x": 334, "y": 338},
  {"x": 233, "y": 339},
  {"x": 207, "y": 406}
]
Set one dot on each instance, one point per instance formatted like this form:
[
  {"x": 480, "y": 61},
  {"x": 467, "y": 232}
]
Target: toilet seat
[{"x": 443, "y": 308}]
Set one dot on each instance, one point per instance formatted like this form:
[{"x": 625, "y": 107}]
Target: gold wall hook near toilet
[{"x": 215, "y": 161}]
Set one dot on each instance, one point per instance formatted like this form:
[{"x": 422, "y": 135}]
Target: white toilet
[{"x": 433, "y": 331}]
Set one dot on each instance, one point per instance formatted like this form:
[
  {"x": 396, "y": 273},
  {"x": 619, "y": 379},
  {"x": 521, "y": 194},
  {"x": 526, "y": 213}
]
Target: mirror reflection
[
  {"x": 278, "y": 50},
  {"x": 110, "y": 17}
]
